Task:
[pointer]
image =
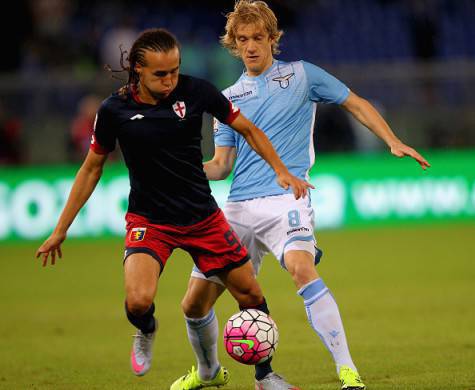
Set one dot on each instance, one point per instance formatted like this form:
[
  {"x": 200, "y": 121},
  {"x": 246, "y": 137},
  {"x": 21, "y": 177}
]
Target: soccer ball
[{"x": 251, "y": 336}]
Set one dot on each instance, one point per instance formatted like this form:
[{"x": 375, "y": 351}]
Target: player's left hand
[
  {"x": 400, "y": 150},
  {"x": 299, "y": 186}
]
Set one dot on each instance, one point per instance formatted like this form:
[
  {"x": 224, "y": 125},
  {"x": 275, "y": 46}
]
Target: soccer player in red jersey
[{"x": 156, "y": 118}]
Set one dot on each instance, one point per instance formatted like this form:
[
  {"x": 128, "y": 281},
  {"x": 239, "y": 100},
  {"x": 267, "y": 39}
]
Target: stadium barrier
[{"x": 351, "y": 191}]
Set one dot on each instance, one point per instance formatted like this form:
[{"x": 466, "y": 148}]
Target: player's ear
[
  {"x": 272, "y": 39},
  {"x": 138, "y": 68}
]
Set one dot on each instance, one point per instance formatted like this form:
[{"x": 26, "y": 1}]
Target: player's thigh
[
  {"x": 147, "y": 250},
  {"x": 200, "y": 297},
  {"x": 141, "y": 273}
]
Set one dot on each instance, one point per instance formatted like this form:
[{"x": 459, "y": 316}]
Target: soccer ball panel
[
  {"x": 237, "y": 322},
  {"x": 264, "y": 325},
  {"x": 261, "y": 335},
  {"x": 255, "y": 314},
  {"x": 270, "y": 336},
  {"x": 246, "y": 315},
  {"x": 264, "y": 346}
]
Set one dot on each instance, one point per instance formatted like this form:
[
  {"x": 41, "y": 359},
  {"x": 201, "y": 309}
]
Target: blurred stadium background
[{"x": 399, "y": 242}]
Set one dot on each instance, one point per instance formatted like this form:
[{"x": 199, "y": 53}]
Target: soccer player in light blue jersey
[{"x": 281, "y": 98}]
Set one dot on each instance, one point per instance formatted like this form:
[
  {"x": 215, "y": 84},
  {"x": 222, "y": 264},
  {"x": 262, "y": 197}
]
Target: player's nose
[{"x": 251, "y": 46}]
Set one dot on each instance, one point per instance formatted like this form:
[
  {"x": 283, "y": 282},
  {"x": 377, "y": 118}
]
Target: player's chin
[
  {"x": 253, "y": 65},
  {"x": 162, "y": 94}
]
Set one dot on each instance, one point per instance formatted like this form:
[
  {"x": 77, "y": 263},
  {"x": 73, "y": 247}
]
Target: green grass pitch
[{"x": 406, "y": 294}]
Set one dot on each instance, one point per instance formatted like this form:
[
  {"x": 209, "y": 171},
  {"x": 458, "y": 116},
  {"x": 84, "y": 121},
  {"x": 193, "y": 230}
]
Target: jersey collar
[
  {"x": 262, "y": 76},
  {"x": 135, "y": 94}
]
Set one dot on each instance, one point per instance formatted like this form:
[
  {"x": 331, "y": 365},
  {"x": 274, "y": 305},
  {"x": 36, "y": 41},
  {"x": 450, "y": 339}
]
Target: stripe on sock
[
  {"x": 313, "y": 291},
  {"x": 197, "y": 323}
]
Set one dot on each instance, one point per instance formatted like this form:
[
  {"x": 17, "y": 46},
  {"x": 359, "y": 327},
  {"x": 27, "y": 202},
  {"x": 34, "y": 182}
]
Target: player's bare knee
[
  {"x": 139, "y": 302},
  {"x": 194, "y": 308}
]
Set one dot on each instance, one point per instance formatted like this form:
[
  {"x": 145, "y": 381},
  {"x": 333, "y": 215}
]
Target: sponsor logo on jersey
[
  {"x": 284, "y": 80},
  {"x": 215, "y": 125},
  {"x": 241, "y": 95},
  {"x": 137, "y": 234},
  {"x": 138, "y": 116},
  {"x": 300, "y": 229},
  {"x": 180, "y": 109}
]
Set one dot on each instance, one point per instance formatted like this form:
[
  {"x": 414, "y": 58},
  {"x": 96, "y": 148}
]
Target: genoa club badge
[
  {"x": 137, "y": 234},
  {"x": 180, "y": 109}
]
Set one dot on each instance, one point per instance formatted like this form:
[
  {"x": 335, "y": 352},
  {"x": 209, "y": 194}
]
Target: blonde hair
[{"x": 247, "y": 12}]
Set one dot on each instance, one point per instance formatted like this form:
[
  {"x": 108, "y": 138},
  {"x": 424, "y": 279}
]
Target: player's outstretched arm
[
  {"x": 83, "y": 186},
  {"x": 367, "y": 114},
  {"x": 257, "y": 139},
  {"x": 221, "y": 165}
]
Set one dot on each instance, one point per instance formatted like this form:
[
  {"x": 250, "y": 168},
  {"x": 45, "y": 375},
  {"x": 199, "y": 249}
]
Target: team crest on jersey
[
  {"x": 284, "y": 80},
  {"x": 137, "y": 234},
  {"x": 180, "y": 109}
]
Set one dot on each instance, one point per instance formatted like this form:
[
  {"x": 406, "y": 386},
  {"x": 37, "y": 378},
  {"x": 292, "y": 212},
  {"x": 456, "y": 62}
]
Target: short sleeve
[
  {"x": 104, "y": 137},
  {"x": 218, "y": 105},
  {"x": 223, "y": 134},
  {"x": 323, "y": 87}
]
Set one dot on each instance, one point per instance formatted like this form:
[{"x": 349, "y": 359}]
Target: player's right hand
[
  {"x": 51, "y": 246},
  {"x": 299, "y": 186}
]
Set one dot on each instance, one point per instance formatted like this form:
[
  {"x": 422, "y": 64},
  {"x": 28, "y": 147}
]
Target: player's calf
[{"x": 301, "y": 266}]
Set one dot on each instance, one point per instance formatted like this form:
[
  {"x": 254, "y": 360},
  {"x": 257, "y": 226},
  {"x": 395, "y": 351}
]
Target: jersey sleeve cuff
[
  {"x": 225, "y": 143},
  {"x": 343, "y": 97},
  {"x": 233, "y": 113},
  {"x": 96, "y": 148}
]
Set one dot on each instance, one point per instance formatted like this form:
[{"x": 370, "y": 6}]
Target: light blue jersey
[{"x": 282, "y": 102}]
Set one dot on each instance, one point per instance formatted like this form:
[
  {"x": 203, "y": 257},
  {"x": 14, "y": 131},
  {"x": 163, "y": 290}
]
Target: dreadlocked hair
[{"x": 155, "y": 39}]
